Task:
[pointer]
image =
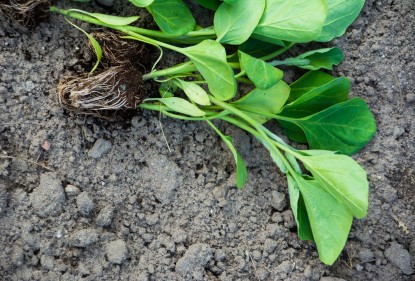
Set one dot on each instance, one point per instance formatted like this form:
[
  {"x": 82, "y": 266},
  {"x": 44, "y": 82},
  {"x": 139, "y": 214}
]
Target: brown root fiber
[
  {"x": 117, "y": 51},
  {"x": 26, "y": 12},
  {"x": 114, "y": 88},
  {"x": 116, "y": 85}
]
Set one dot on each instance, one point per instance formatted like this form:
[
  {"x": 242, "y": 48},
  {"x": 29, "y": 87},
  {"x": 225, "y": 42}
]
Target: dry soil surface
[{"x": 111, "y": 202}]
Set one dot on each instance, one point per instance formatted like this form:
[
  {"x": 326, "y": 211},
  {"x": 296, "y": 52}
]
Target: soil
[{"x": 85, "y": 198}]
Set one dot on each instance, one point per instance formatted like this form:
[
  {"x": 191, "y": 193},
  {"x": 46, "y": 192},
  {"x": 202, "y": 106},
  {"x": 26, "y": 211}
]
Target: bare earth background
[{"x": 120, "y": 206}]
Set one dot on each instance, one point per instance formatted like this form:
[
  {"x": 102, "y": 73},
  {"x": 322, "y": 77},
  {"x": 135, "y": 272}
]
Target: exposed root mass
[{"x": 115, "y": 88}]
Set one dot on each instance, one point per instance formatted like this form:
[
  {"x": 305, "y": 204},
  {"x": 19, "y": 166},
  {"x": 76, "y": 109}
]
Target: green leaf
[
  {"x": 268, "y": 101},
  {"x": 344, "y": 127},
  {"x": 318, "y": 98},
  {"x": 262, "y": 74},
  {"x": 210, "y": 4},
  {"x": 182, "y": 106},
  {"x": 307, "y": 82},
  {"x": 167, "y": 89},
  {"x": 141, "y": 3},
  {"x": 95, "y": 45},
  {"x": 330, "y": 221},
  {"x": 296, "y": 21},
  {"x": 109, "y": 19},
  {"x": 194, "y": 92},
  {"x": 312, "y": 93},
  {"x": 235, "y": 23},
  {"x": 241, "y": 172},
  {"x": 172, "y": 16},
  {"x": 257, "y": 48},
  {"x": 299, "y": 210},
  {"x": 341, "y": 13},
  {"x": 209, "y": 58},
  {"x": 322, "y": 58},
  {"x": 343, "y": 178}
]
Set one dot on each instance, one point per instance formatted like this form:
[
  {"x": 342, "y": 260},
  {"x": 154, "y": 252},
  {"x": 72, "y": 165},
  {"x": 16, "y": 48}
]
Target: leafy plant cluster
[{"x": 329, "y": 188}]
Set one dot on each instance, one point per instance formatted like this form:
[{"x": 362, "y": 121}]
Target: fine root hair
[
  {"x": 116, "y": 51},
  {"x": 114, "y": 88}
]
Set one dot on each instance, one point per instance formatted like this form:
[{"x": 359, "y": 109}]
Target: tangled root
[
  {"x": 115, "y": 88},
  {"x": 26, "y": 12},
  {"x": 116, "y": 51}
]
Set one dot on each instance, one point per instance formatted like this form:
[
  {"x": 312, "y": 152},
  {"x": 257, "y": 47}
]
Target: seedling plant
[{"x": 329, "y": 188}]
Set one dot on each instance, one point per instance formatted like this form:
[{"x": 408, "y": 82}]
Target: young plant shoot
[{"x": 331, "y": 188}]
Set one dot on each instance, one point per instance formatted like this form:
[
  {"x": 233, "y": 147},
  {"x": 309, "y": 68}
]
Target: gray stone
[
  {"x": 387, "y": 193},
  {"x": 100, "y": 147},
  {"x": 270, "y": 245},
  {"x": 83, "y": 238},
  {"x": 366, "y": 255},
  {"x": 329, "y": 278},
  {"x": 152, "y": 219},
  {"x": 84, "y": 203},
  {"x": 400, "y": 257},
  {"x": 278, "y": 200},
  {"x": 47, "y": 262},
  {"x": 105, "y": 216},
  {"x": 3, "y": 198},
  {"x": 47, "y": 199},
  {"x": 17, "y": 256},
  {"x": 412, "y": 248},
  {"x": 285, "y": 266},
  {"x": 72, "y": 190},
  {"x": 106, "y": 3},
  {"x": 196, "y": 257},
  {"x": 116, "y": 251}
]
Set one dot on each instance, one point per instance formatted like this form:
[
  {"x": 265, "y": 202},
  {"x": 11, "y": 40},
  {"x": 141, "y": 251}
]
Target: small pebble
[
  {"x": 84, "y": 203},
  {"x": 100, "y": 147},
  {"x": 116, "y": 251},
  {"x": 83, "y": 238},
  {"x": 72, "y": 190},
  {"x": 105, "y": 216}
]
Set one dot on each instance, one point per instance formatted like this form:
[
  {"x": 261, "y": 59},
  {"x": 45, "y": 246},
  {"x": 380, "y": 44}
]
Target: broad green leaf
[
  {"x": 209, "y": 58},
  {"x": 172, "y": 16},
  {"x": 94, "y": 43},
  {"x": 182, "y": 106},
  {"x": 318, "y": 98},
  {"x": 268, "y": 101},
  {"x": 108, "y": 19},
  {"x": 299, "y": 210},
  {"x": 257, "y": 48},
  {"x": 293, "y": 132},
  {"x": 262, "y": 74},
  {"x": 210, "y": 4},
  {"x": 341, "y": 13},
  {"x": 322, "y": 58},
  {"x": 330, "y": 221},
  {"x": 312, "y": 93},
  {"x": 307, "y": 82},
  {"x": 141, "y": 3},
  {"x": 296, "y": 21},
  {"x": 194, "y": 92},
  {"x": 241, "y": 172},
  {"x": 344, "y": 127},
  {"x": 235, "y": 23},
  {"x": 343, "y": 178}
]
